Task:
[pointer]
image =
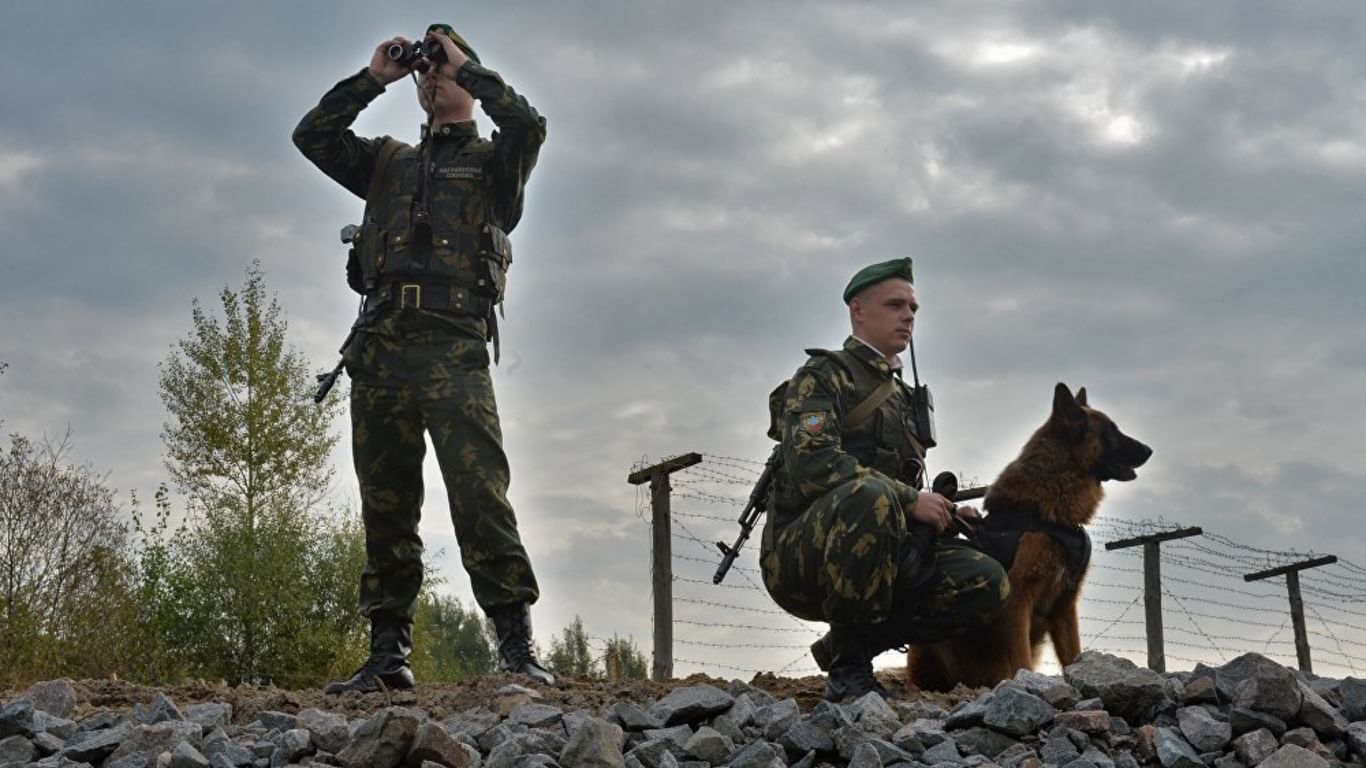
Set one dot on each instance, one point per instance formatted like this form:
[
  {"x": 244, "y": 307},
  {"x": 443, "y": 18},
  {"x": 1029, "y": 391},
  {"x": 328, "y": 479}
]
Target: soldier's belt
[{"x": 435, "y": 296}]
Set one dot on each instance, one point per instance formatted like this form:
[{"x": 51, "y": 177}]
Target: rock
[
  {"x": 159, "y": 710},
  {"x": 277, "y": 721},
  {"x": 328, "y": 730},
  {"x": 677, "y": 736},
  {"x": 633, "y": 718},
  {"x": 1200, "y": 690},
  {"x": 209, "y": 715},
  {"x": 55, "y": 697},
  {"x": 1016, "y": 712},
  {"x": 757, "y": 754},
  {"x": 382, "y": 741},
  {"x": 1276, "y": 697},
  {"x": 152, "y": 740},
  {"x": 535, "y": 715},
  {"x": 1051, "y": 688},
  {"x": 776, "y": 718},
  {"x": 1126, "y": 690},
  {"x": 803, "y": 737},
  {"x": 920, "y": 710},
  {"x": 291, "y": 745},
  {"x": 469, "y": 725},
  {"x": 693, "y": 702},
  {"x": 1318, "y": 714},
  {"x": 1352, "y": 692},
  {"x": 984, "y": 740},
  {"x": 1243, "y": 720},
  {"x": 968, "y": 714},
  {"x": 1173, "y": 751},
  {"x": 1058, "y": 751},
  {"x": 726, "y": 727},
  {"x": 594, "y": 744},
  {"x": 432, "y": 743},
  {"x": 1255, "y": 746},
  {"x": 18, "y": 718},
  {"x": 1013, "y": 757},
  {"x": 16, "y": 749},
  {"x": 830, "y": 717},
  {"x": 1356, "y": 738},
  {"x": 1291, "y": 756},
  {"x": 706, "y": 744},
  {"x": 874, "y": 715},
  {"x": 865, "y": 756},
  {"x": 1202, "y": 730},
  {"x": 945, "y": 752},
  {"x": 1096, "y": 721},
  {"x": 742, "y": 712},
  {"x": 921, "y": 731}
]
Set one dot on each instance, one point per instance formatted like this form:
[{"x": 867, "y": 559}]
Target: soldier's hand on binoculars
[
  {"x": 385, "y": 69},
  {"x": 454, "y": 56},
  {"x": 932, "y": 510}
]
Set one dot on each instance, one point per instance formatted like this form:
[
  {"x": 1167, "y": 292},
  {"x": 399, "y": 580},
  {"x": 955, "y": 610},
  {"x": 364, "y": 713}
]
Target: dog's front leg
[{"x": 1065, "y": 630}]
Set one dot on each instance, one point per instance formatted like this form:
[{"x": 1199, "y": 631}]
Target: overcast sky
[{"x": 1160, "y": 201}]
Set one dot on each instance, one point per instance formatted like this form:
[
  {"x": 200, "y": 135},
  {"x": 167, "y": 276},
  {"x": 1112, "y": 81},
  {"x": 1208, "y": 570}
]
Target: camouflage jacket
[
  {"x": 456, "y": 178},
  {"x": 819, "y": 451}
]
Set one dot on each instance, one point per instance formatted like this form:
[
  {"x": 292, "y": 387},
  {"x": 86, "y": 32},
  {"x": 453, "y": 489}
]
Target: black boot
[
  {"x": 513, "y": 625},
  {"x": 391, "y": 643},
  {"x": 881, "y": 638},
  {"x": 851, "y": 664}
]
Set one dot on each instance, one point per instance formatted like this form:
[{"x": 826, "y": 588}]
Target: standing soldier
[
  {"x": 431, "y": 259},
  {"x": 851, "y": 539}
]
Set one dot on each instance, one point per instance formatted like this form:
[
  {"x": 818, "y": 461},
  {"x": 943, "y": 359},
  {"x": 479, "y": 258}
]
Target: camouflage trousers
[
  {"x": 412, "y": 373},
  {"x": 851, "y": 559}
]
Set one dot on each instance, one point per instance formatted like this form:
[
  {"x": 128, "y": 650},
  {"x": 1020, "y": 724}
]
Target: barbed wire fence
[{"x": 1210, "y": 615}]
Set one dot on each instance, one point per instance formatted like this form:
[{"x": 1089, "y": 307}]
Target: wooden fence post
[
  {"x": 1152, "y": 588},
  {"x": 1292, "y": 583},
  {"x": 661, "y": 557}
]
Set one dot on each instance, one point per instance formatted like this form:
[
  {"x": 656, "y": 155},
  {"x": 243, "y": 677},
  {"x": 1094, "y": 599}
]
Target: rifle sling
[
  {"x": 871, "y": 403},
  {"x": 387, "y": 149}
]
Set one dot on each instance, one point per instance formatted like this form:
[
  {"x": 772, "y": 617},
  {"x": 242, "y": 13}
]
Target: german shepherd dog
[{"x": 1037, "y": 506}]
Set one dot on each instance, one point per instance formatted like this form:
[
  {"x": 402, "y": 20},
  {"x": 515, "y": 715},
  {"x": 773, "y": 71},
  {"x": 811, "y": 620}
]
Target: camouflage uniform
[
  {"x": 838, "y": 545},
  {"x": 419, "y": 363}
]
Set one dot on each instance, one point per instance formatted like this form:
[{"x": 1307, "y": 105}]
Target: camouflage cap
[
  {"x": 876, "y": 273},
  {"x": 449, "y": 31}
]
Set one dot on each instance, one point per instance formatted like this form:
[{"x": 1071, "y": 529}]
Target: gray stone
[
  {"x": 706, "y": 744},
  {"x": 1318, "y": 714},
  {"x": 534, "y": 761},
  {"x": 535, "y": 715},
  {"x": 1356, "y": 738},
  {"x": 505, "y": 754},
  {"x": 1058, "y": 751},
  {"x": 807, "y": 761},
  {"x": 945, "y": 752},
  {"x": 1080, "y": 762},
  {"x": 633, "y": 718},
  {"x": 1125, "y": 759},
  {"x": 16, "y": 749},
  {"x": 290, "y": 746},
  {"x": 874, "y": 716},
  {"x": 1243, "y": 720},
  {"x": 865, "y": 756},
  {"x": 1126, "y": 690},
  {"x": 277, "y": 721},
  {"x": 677, "y": 735},
  {"x": 1173, "y": 751},
  {"x": 803, "y": 737},
  {"x": 328, "y": 730},
  {"x": 18, "y": 718},
  {"x": 742, "y": 712},
  {"x": 594, "y": 744},
  {"x": 469, "y": 725},
  {"x": 382, "y": 741},
  {"x": 159, "y": 710},
  {"x": 726, "y": 727},
  {"x": 1016, "y": 712},
  {"x": 968, "y": 714},
  {"x": 984, "y": 740},
  {"x": 498, "y": 735},
  {"x": 830, "y": 717},
  {"x": 1228, "y": 761},
  {"x": 693, "y": 702},
  {"x": 887, "y": 752},
  {"x": 1011, "y": 758},
  {"x": 1202, "y": 730},
  {"x": 57, "y": 726},
  {"x": 1096, "y": 721},
  {"x": 1352, "y": 693},
  {"x": 152, "y": 740},
  {"x": 55, "y": 697},
  {"x": 223, "y": 752},
  {"x": 758, "y": 754},
  {"x": 1277, "y": 696},
  {"x": 435, "y": 744},
  {"x": 1090, "y": 704},
  {"x": 48, "y": 743},
  {"x": 544, "y": 741},
  {"x": 774, "y": 719},
  {"x": 1200, "y": 690},
  {"x": 651, "y": 752},
  {"x": 1051, "y": 688},
  {"x": 923, "y": 730},
  {"x": 210, "y": 715},
  {"x": 920, "y": 709},
  {"x": 847, "y": 739},
  {"x": 1291, "y": 756},
  {"x": 1097, "y": 758}
]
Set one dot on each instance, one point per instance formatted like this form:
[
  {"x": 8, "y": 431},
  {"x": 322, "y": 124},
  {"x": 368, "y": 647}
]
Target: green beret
[
  {"x": 449, "y": 31},
  {"x": 876, "y": 273}
]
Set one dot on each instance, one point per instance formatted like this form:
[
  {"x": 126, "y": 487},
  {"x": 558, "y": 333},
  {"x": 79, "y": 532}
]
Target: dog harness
[{"x": 998, "y": 536}]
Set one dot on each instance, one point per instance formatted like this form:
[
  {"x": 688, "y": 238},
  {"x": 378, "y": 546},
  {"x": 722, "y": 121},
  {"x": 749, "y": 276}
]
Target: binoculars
[{"x": 418, "y": 54}]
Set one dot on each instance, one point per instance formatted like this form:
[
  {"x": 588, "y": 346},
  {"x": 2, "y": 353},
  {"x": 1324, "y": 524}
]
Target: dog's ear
[
  {"x": 1081, "y": 396},
  {"x": 1067, "y": 414}
]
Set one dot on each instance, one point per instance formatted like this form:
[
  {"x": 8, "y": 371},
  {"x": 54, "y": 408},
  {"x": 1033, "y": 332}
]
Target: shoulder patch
[{"x": 813, "y": 422}]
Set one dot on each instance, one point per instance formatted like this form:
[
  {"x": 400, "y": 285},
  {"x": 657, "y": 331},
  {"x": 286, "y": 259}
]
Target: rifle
[
  {"x": 758, "y": 501},
  {"x": 946, "y": 484},
  {"x": 327, "y": 380}
]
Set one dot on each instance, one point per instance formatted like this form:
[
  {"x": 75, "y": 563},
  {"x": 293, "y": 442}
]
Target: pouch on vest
[{"x": 495, "y": 251}]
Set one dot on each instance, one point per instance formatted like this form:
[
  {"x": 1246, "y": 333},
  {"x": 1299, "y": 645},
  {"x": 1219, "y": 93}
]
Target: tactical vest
[
  {"x": 450, "y": 240},
  {"x": 885, "y": 441}
]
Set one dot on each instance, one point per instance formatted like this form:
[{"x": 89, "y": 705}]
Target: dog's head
[{"x": 1096, "y": 443}]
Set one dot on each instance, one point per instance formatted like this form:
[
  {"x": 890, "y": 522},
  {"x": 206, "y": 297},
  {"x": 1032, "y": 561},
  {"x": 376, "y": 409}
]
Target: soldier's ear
[{"x": 1081, "y": 396}]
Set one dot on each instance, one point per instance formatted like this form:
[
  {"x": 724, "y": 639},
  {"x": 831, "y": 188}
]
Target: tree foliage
[
  {"x": 451, "y": 642},
  {"x": 569, "y": 653},
  {"x": 624, "y": 661},
  {"x": 261, "y": 585}
]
